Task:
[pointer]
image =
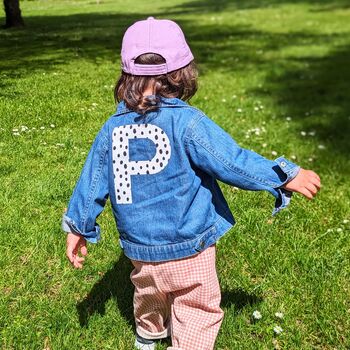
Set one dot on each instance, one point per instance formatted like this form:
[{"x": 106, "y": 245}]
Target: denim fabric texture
[{"x": 160, "y": 172}]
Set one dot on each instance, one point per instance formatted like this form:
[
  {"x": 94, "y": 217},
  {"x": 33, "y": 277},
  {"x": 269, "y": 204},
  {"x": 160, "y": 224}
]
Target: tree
[{"x": 13, "y": 14}]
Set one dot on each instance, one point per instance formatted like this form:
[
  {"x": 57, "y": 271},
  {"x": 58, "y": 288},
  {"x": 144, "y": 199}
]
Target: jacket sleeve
[
  {"x": 90, "y": 193},
  {"x": 214, "y": 151}
]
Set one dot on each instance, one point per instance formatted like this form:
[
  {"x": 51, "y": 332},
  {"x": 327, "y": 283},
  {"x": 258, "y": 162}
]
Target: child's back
[{"x": 158, "y": 159}]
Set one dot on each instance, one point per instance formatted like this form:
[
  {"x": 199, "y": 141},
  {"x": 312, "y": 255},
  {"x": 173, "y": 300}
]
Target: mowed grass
[{"x": 274, "y": 74}]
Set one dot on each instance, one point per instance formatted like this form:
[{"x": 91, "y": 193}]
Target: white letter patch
[{"x": 123, "y": 168}]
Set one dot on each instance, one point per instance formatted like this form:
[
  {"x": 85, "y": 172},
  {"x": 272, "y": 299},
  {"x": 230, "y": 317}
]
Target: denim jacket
[{"x": 160, "y": 172}]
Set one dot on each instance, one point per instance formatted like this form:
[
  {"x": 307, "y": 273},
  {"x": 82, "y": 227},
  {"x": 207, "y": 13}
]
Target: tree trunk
[{"x": 13, "y": 14}]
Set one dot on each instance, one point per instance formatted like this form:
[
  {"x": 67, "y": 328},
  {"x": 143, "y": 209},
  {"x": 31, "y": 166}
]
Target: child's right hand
[
  {"x": 306, "y": 182},
  {"x": 74, "y": 243}
]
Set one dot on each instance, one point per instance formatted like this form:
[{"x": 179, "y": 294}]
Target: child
[{"x": 158, "y": 159}]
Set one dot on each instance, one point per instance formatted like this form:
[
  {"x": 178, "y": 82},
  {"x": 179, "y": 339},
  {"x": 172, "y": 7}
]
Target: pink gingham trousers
[{"x": 180, "y": 298}]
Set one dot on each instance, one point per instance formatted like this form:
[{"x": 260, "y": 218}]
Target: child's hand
[
  {"x": 74, "y": 243},
  {"x": 306, "y": 182}
]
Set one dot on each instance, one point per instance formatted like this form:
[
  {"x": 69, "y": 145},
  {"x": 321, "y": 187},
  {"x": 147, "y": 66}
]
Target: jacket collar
[{"x": 165, "y": 102}]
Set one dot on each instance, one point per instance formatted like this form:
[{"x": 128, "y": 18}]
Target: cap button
[{"x": 150, "y": 18}]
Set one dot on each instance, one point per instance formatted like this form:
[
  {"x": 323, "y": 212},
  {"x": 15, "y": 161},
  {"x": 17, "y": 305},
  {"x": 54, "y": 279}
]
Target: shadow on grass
[
  {"x": 239, "y": 299},
  {"x": 115, "y": 284},
  {"x": 51, "y": 42}
]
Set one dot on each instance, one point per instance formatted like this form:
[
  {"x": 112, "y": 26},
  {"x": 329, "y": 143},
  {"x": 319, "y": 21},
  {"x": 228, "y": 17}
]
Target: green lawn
[{"x": 274, "y": 74}]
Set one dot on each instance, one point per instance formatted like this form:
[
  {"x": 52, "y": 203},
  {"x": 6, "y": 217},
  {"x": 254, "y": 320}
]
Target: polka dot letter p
[{"x": 124, "y": 168}]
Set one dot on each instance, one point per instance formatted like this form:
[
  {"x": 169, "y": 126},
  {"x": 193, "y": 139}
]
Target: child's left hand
[
  {"x": 306, "y": 182},
  {"x": 74, "y": 243}
]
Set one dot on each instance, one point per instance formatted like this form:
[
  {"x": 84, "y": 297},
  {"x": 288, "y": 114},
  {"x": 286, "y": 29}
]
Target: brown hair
[{"x": 181, "y": 83}]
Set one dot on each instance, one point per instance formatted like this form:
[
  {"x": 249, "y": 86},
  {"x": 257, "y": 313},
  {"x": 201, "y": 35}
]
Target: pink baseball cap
[{"x": 159, "y": 36}]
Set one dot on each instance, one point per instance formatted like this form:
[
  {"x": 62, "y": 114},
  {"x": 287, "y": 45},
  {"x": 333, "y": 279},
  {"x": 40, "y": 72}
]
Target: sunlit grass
[{"x": 273, "y": 74}]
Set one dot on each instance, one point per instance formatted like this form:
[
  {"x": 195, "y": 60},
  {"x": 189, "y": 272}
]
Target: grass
[{"x": 274, "y": 74}]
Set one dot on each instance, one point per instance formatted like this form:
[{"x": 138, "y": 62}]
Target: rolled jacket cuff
[{"x": 69, "y": 226}]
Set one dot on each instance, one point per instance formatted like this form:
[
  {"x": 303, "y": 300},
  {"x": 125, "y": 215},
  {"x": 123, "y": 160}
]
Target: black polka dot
[
  {"x": 124, "y": 153},
  {"x": 166, "y": 152},
  {"x": 130, "y": 126},
  {"x": 125, "y": 166},
  {"x": 127, "y": 185},
  {"x": 117, "y": 170},
  {"x": 142, "y": 133},
  {"x": 135, "y": 137},
  {"x": 119, "y": 197},
  {"x": 118, "y": 155},
  {"x": 146, "y": 125},
  {"x": 140, "y": 167},
  {"x": 126, "y": 179},
  {"x": 126, "y": 147},
  {"x": 123, "y": 127},
  {"x": 126, "y": 173},
  {"x": 114, "y": 176},
  {"x": 121, "y": 139},
  {"x": 121, "y": 162},
  {"x": 160, "y": 151},
  {"x": 163, "y": 139},
  {"x": 156, "y": 137},
  {"x": 115, "y": 134},
  {"x": 120, "y": 175},
  {"x": 157, "y": 160},
  {"x": 147, "y": 165},
  {"x": 161, "y": 164},
  {"x": 126, "y": 134},
  {"x": 147, "y": 172},
  {"x": 134, "y": 131},
  {"x": 121, "y": 184},
  {"x": 114, "y": 147},
  {"x": 163, "y": 158},
  {"x": 165, "y": 146},
  {"x": 150, "y": 131},
  {"x": 153, "y": 167},
  {"x": 118, "y": 190},
  {"x": 162, "y": 132},
  {"x": 157, "y": 144},
  {"x": 132, "y": 168},
  {"x": 113, "y": 161},
  {"x": 127, "y": 199},
  {"x": 124, "y": 192}
]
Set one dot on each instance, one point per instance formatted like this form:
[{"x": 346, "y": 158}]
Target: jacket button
[
  {"x": 283, "y": 164},
  {"x": 201, "y": 244}
]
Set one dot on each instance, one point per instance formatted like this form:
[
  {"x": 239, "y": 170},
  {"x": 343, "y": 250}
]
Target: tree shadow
[
  {"x": 115, "y": 284},
  {"x": 49, "y": 42},
  {"x": 315, "y": 92}
]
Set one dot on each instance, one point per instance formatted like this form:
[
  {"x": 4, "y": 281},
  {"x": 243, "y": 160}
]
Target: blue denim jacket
[{"x": 160, "y": 172}]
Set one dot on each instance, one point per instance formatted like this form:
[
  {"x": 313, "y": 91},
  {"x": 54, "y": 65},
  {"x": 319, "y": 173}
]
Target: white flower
[
  {"x": 256, "y": 108},
  {"x": 42, "y": 127},
  {"x": 321, "y": 146},
  {"x": 14, "y": 130},
  {"x": 293, "y": 157},
  {"x": 345, "y": 221},
  {"x": 312, "y": 133},
  {"x": 279, "y": 315},
  {"x": 239, "y": 110},
  {"x": 288, "y": 119},
  {"x": 310, "y": 159},
  {"x": 339, "y": 229},
  {"x": 24, "y": 128},
  {"x": 277, "y": 329},
  {"x": 302, "y": 133},
  {"x": 264, "y": 145},
  {"x": 223, "y": 100},
  {"x": 274, "y": 153},
  {"x": 205, "y": 97},
  {"x": 257, "y": 315},
  {"x": 94, "y": 104},
  {"x": 257, "y": 132},
  {"x": 235, "y": 96},
  {"x": 16, "y": 133},
  {"x": 60, "y": 144},
  {"x": 52, "y": 125}
]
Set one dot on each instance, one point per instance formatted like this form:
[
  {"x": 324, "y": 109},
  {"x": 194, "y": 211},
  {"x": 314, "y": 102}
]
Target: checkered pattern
[{"x": 180, "y": 297}]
